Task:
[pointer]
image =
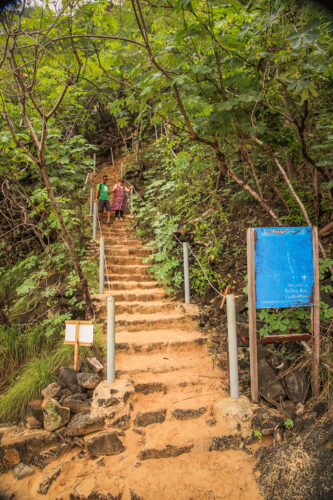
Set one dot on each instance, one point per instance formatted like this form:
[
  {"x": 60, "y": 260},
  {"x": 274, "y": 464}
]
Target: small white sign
[{"x": 86, "y": 333}]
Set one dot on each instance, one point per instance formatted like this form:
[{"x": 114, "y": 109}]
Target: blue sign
[{"x": 283, "y": 266}]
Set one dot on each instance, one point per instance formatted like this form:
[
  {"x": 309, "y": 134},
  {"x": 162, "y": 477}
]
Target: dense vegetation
[{"x": 226, "y": 107}]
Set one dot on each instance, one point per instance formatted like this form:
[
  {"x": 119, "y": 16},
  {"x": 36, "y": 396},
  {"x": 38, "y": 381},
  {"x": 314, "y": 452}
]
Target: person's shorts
[{"x": 104, "y": 204}]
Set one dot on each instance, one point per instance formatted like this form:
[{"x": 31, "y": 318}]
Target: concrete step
[
  {"x": 122, "y": 241},
  {"x": 158, "y": 363},
  {"x": 128, "y": 269},
  {"x": 135, "y": 322},
  {"x": 126, "y": 251},
  {"x": 127, "y": 277},
  {"x": 134, "y": 294},
  {"x": 123, "y": 286},
  {"x": 160, "y": 340},
  {"x": 150, "y": 307},
  {"x": 125, "y": 260},
  {"x": 149, "y": 321}
]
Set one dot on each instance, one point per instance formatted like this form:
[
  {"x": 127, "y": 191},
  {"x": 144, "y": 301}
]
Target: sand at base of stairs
[{"x": 207, "y": 475}]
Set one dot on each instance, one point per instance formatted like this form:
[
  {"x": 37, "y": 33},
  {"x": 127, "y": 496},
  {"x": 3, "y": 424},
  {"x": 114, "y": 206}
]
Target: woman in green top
[{"x": 102, "y": 196}]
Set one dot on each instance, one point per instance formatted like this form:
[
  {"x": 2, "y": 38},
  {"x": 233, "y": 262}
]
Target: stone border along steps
[{"x": 159, "y": 430}]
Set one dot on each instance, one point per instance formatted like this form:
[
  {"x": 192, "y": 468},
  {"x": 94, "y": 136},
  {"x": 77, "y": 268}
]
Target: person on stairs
[
  {"x": 119, "y": 198},
  {"x": 102, "y": 196}
]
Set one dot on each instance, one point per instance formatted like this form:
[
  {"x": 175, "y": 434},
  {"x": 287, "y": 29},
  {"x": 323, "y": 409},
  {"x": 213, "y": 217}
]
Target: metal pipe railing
[
  {"x": 110, "y": 339},
  {"x": 232, "y": 346},
  {"x": 101, "y": 264}
]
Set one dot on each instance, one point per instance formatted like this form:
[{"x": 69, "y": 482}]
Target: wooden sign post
[
  {"x": 283, "y": 271},
  {"x": 79, "y": 333}
]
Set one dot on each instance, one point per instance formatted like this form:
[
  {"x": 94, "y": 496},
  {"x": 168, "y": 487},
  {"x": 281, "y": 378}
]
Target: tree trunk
[{"x": 89, "y": 308}]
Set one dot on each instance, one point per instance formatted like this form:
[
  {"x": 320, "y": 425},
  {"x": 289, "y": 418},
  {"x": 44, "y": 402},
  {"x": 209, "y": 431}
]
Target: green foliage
[{"x": 289, "y": 423}]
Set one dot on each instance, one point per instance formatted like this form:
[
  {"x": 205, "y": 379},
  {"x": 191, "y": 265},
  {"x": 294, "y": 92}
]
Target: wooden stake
[
  {"x": 252, "y": 316},
  {"x": 315, "y": 317},
  {"x": 76, "y": 345}
]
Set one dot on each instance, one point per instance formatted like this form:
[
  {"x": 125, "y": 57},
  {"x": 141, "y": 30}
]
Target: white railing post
[
  {"x": 156, "y": 133},
  {"x": 186, "y": 273},
  {"x": 110, "y": 339},
  {"x": 101, "y": 264},
  {"x": 94, "y": 162},
  {"x": 91, "y": 206},
  {"x": 95, "y": 221},
  {"x": 131, "y": 200},
  {"x": 232, "y": 346},
  {"x": 121, "y": 170}
]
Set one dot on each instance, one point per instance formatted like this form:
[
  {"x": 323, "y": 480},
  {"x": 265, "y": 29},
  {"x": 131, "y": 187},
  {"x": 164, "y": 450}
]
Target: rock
[
  {"x": 64, "y": 393},
  {"x": 265, "y": 419},
  {"x": 319, "y": 409},
  {"x": 297, "y": 385},
  {"x": 12, "y": 456},
  {"x": 299, "y": 409},
  {"x": 88, "y": 380},
  {"x": 51, "y": 391},
  {"x": 94, "y": 365},
  {"x": 22, "y": 445},
  {"x": 168, "y": 451},
  {"x": 48, "y": 456},
  {"x": 33, "y": 423},
  {"x": 150, "y": 417},
  {"x": 109, "y": 399},
  {"x": 76, "y": 405},
  {"x": 268, "y": 387},
  {"x": 34, "y": 409},
  {"x": 151, "y": 387},
  {"x": 181, "y": 414},
  {"x": 22, "y": 470},
  {"x": 309, "y": 474},
  {"x": 222, "y": 443},
  {"x": 104, "y": 443},
  {"x": 122, "y": 419},
  {"x": 44, "y": 486},
  {"x": 83, "y": 423},
  {"x": 234, "y": 407},
  {"x": 260, "y": 452},
  {"x": 55, "y": 415},
  {"x": 69, "y": 379}
]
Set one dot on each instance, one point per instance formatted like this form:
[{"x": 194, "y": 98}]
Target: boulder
[
  {"x": 77, "y": 405},
  {"x": 168, "y": 451},
  {"x": 234, "y": 407},
  {"x": 69, "y": 378},
  {"x": 268, "y": 387},
  {"x": 109, "y": 399},
  {"x": 84, "y": 423},
  {"x": 22, "y": 470},
  {"x": 51, "y": 391},
  {"x": 88, "y": 380},
  {"x": 55, "y": 415},
  {"x": 104, "y": 443},
  {"x": 94, "y": 365},
  {"x": 34, "y": 409},
  {"x": 297, "y": 385}
]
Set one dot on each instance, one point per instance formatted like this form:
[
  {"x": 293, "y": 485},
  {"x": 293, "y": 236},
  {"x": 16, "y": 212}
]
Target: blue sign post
[{"x": 283, "y": 271}]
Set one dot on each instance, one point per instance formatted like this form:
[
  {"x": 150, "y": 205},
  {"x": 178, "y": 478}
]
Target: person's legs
[
  {"x": 121, "y": 214},
  {"x": 117, "y": 213},
  {"x": 100, "y": 209},
  {"x": 108, "y": 209}
]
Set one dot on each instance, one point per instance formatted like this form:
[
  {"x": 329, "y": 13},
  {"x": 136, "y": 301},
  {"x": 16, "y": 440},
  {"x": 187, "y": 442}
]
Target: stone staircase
[{"x": 175, "y": 409}]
